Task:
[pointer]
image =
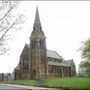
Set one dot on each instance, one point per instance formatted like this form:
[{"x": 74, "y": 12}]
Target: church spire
[
  {"x": 37, "y": 28},
  {"x": 37, "y": 19},
  {"x": 37, "y": 22}
]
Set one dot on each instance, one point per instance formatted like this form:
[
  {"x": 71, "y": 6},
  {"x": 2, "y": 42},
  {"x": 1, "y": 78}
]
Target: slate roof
[
  {"x": 53, "y": 54},
  {"x": 57, "y": 64},
  {"x": 69, "y": 62},
  {"x": 50, "y": 53}
]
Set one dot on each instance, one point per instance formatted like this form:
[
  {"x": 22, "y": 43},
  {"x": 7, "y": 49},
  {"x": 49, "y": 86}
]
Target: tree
[
  {"x": 8, "y": 21},
  {"x": 85, "y": 53}
]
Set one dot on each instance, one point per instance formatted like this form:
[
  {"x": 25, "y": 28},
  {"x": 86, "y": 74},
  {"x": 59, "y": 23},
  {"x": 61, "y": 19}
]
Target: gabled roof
[
  {"x": 69, "y": 62},
  {"x": 57, "y": 64},
  {"x": 50, "y": 53},
  {"x": 25, "y": 50},
  {"x": 53, "y": 54}
]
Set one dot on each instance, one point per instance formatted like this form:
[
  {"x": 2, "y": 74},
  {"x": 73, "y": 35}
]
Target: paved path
[
  {"x": 8, "y": 87},
  {"x": 22, "y": 87}
]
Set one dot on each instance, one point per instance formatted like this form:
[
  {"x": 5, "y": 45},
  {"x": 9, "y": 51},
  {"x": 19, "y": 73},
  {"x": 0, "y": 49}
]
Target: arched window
[
  {"x": 33, "y": 44},
  {"x": 42, "y": 43}
]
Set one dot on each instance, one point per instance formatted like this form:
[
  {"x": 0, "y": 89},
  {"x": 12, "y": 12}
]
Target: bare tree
[{"x": 8, "y": 21}]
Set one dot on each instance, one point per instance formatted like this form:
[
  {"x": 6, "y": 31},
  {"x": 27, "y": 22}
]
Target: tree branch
[{"x": 9, "y": 28}]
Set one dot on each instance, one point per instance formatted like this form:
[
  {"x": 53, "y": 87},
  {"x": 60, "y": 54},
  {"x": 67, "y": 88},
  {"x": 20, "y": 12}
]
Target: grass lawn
[
  {"x": 68, "y": 83},
  {"x": 71, "y": 83},
  {"x": 21, "y": 82}
]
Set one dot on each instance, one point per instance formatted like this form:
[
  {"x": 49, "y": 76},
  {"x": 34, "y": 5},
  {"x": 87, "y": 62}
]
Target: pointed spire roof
[
  {"x": 37, "y": 28},
  {"x": 37, "y": 18}
]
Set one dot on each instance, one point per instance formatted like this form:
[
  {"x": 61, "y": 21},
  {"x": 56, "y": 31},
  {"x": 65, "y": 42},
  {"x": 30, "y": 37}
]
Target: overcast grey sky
[{"x": 65, "y": 24}]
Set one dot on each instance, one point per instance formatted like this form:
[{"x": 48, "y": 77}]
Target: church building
[{"x": 38, "y": 62}]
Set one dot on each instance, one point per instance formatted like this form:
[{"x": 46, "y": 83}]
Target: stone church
[{"x": 38, "y": 62}]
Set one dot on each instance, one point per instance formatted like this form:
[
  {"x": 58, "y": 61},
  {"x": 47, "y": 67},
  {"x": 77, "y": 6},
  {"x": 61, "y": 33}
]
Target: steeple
[
  {"x": 37, "y": 22},
  {"x": 38, "y": 54},
  {"x": 37, "y": 18},
  {"x": 37, "y": 28}
]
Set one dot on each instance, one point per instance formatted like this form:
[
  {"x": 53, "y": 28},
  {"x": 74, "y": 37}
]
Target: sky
[{"x": 65, "y": 24}]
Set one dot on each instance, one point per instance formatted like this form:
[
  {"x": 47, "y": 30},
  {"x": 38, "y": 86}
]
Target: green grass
[
  {"x": 21, "y": 82},
  {"x": 71, "y": 83},
  {"x": 67, "y": 83}
]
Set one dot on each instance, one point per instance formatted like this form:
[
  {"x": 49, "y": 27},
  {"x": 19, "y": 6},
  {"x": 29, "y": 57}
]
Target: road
[
  {"x": 7, "y": 86},
  {"x": 22, "y": 87}
]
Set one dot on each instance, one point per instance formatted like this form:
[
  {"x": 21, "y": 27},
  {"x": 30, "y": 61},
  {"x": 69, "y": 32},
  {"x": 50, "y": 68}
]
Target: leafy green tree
[{"x": 85, "y": 53}]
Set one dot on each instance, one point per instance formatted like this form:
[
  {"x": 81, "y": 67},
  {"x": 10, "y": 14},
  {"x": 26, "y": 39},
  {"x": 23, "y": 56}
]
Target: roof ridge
[
  {"x": 54, "y": 54},
  {"x": 59, "y": 55},
  {"x": 50, "y": 50}
]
